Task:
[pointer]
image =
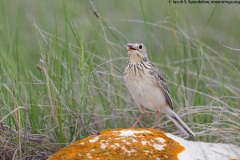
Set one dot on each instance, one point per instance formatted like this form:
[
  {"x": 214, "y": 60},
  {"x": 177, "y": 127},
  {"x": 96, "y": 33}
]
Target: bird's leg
[
  {"x": 158, "y": 119},
  {"x": 140, "y": 117}
]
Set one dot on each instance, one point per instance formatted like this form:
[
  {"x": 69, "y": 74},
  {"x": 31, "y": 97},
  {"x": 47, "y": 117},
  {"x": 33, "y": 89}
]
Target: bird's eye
[{"x": 140, "y": 47}]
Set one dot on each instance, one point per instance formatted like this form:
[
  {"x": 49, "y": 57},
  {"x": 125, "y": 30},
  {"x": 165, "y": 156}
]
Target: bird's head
[{"x": 136, "y": 51}]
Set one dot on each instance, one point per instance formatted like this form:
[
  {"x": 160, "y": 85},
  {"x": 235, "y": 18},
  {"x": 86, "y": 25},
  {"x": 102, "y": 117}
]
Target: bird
[{"x": 148, "y": 88}]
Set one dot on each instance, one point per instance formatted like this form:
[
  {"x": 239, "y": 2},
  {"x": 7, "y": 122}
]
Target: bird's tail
[{"x": 179, "y": 123}]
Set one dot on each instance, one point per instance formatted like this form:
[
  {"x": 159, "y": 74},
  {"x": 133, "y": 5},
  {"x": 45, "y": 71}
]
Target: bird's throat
[{"x": 135, "y": 58}]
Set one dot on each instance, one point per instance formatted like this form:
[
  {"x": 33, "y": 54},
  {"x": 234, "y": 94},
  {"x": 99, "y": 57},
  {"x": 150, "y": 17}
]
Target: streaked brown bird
[{"x": 148, "y": 88}]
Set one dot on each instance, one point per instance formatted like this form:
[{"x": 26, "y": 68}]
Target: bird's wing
[
  {"x": 164, "y": 88},
  {"x": 160, "y": 82}
]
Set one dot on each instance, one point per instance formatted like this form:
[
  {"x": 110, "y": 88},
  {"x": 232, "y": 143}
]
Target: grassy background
[{"x": 61, "y": 70}]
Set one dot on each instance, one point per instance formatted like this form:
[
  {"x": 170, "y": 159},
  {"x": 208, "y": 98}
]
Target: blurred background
[
  {"x": 62, "y": 63},
  {"x": 130, "y": 21}
]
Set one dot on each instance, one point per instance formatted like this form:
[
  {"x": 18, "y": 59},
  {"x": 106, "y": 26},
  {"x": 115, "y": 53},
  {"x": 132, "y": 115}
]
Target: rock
[{"x": 144, "y": 144}]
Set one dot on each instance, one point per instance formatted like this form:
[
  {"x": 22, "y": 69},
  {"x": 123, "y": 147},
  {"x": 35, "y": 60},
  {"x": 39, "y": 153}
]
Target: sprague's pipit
[{"x": 148, "y": 88}]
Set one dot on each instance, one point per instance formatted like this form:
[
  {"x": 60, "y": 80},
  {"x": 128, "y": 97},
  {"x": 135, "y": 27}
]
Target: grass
[{"x": 61, "y": 72}]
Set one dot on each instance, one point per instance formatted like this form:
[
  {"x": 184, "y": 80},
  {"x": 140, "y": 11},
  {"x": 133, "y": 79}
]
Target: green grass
[{"x": 77, "y": 88}]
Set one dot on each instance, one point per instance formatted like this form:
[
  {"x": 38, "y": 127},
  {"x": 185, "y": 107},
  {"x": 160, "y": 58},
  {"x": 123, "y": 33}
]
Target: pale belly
[{"x": 145, "y": 94}]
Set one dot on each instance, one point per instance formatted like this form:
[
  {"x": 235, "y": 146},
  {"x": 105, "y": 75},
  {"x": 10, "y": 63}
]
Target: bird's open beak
[{"x": 130, "y": 47}]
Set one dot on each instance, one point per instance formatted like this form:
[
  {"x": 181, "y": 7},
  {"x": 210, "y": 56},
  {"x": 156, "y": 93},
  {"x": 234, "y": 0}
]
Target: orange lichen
[{"x": 122, "y": 144}]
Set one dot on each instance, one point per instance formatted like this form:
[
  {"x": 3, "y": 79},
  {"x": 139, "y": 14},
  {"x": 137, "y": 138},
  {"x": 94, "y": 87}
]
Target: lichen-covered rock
[{"x": 142, "y": 144}]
